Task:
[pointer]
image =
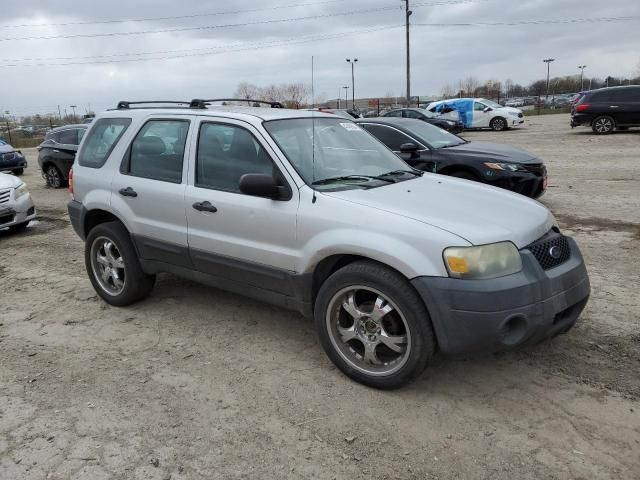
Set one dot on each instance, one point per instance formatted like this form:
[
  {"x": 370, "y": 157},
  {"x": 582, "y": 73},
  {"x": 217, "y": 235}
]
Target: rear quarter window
[{"x": 101, "y": 140}]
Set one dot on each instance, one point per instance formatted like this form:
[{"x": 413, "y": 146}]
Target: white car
[
  {"x": 16, "y": 206},
  {"x": 514, "y": 102},
  {"x": 478, "y": 113}
]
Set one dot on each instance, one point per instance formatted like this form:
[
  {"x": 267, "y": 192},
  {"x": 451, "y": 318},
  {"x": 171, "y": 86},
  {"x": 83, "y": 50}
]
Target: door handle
[
  {"x": 57, "y": 151},
  {"x": 614, "y": 106},
  {"x": 205, "y": 207},
  {"x": 128, "y": 192}
]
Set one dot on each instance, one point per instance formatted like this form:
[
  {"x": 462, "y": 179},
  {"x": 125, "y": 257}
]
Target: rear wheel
[
  {"x": 373, "y": 325},
  {"x": 113, "y": 266},
  {"x": 53, "y": 177},
  {"x": 498, "y": 123},
  {"x": 603, "y": 125}
]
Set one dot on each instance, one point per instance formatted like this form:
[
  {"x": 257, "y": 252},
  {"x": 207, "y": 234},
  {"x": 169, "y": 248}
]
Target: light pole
[
  {"x": 74, "y": 111},
  {"x": 353, "y": 83},
  {"x": 338, "y": 102},
  {"x": 407, "y": 15},
  {"x": 548, "y": 62},
  {"x": 346, "y": 95},
  {"x": 582, "y": 67}
]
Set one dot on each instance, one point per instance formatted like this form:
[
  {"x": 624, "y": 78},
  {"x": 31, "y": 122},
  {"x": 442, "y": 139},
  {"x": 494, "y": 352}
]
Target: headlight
[
  {"x": 449, "y": 122},
  {"x": 482, "y": 262},
  {"x": 21, "y": 190},
  {"x": 515, "y": 114},
  {"x": 512, "y": 167}
]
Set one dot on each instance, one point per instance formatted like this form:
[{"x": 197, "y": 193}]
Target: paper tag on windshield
[{"x": 352, "y": 127}]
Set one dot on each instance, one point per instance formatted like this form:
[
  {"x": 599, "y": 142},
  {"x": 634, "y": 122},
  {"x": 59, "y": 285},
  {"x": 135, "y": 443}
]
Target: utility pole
[
  {"x": 582, "y": 67},
  {"x": 548, "y": 62},
  {"x": 353, "y": 83},
  {"x": 338, "y": 102},
  {"x": 346, "y": 95},
  {"x": 407, "y": 15}
]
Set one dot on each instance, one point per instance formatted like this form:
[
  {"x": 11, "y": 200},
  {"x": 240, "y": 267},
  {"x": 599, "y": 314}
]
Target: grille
[
  {"x": 541, "y": 249},
  {"x": 4, "y": 196}
]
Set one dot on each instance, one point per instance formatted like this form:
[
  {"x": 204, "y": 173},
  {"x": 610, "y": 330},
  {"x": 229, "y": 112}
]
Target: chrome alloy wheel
[
  {"x": 368, "y": 331},
  {"x": 108, "y": 266},
  {"x": 603, "y": 125}
]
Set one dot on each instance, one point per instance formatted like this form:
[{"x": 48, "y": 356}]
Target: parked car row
[
  {"x": 478, "y": 113},
  {"x": 308, "y": 211}
]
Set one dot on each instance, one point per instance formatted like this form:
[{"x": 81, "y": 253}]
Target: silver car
[{"x": 310, "y": 212}]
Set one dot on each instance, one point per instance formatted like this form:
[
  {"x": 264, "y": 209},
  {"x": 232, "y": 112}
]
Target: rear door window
[
  {"x": 157, "y": 152},
  {"x": 101, "y": 140},
  {"x": 69, "y": 137},
  {"x": 391, "y": 137}
]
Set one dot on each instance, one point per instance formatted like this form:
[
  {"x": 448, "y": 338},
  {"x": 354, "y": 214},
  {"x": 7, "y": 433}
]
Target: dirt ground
[{"x": 196, "y": 383}]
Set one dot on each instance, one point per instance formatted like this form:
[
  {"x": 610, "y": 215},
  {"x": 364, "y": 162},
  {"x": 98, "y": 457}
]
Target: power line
[
  {"x": 530, "y": 22},
  {"x": 212, "y": 14},
  {"x": 230, "y": 25},
  {"x": 177, "y": 17},
  {"x": 204, "y": 27},
  {"x": 217, "y": 51}
]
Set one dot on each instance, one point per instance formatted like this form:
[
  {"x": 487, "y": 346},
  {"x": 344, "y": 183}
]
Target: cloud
[{"x": 440, "y": 55}]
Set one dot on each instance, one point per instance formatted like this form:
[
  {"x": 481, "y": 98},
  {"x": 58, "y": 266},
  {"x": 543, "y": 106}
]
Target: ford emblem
[{"x": 555, "y": 252}]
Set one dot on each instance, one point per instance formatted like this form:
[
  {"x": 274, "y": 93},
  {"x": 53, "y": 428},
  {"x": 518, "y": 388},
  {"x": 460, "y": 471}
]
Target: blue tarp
[{"x": 464, "y": 107}]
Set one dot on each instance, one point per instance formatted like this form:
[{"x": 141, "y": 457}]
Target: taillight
[
  {"x": 71, "y": 183},
  {"x": 582, "y": 107}
]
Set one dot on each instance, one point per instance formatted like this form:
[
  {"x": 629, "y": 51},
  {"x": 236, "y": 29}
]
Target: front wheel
[
  {"x": 18, "y": 171},
  {"x": 113, "y": 266},
  {"x": 603, "y": 125},
  {"x": 373, "y": 325},
  {"x": 498, "y": 124}
]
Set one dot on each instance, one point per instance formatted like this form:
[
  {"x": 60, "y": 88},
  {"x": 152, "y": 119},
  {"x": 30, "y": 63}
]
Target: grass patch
[{"x": 546, "y": 111}]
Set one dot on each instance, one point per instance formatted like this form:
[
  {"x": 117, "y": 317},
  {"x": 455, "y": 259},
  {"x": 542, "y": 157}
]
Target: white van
[{"x": 478, "y": 113}]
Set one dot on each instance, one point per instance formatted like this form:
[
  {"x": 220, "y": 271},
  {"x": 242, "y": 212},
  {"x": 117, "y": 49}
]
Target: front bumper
[
  {"x": 531, "y": 183},
  {"x": 13, "y": 163},
  {"x": 515, "y": 121},
  {"x": 503, "y": 313},
  {"x": 20, "y": 211}
]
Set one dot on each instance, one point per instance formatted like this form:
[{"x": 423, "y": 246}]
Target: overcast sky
[{"x": 440, "y": 54}]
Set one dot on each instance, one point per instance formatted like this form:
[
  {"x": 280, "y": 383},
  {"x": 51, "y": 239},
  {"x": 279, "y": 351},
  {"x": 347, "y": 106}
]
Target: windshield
[
  {"x": 342, "y": 149},
  {"x": 433, "y": 136},
  {"x": 491, "y": 104}
]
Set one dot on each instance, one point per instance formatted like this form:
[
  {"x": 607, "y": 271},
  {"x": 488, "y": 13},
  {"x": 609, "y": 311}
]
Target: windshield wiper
[
  {"x": 416, "y": 173},
  {"x": 325, "y": 181}
]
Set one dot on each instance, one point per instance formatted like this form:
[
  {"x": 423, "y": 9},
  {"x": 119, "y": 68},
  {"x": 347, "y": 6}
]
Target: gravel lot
[{"x": 195, "y": 383}]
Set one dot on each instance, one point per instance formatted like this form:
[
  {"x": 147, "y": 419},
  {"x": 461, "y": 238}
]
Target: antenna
[{"x": 313, "y": 133}]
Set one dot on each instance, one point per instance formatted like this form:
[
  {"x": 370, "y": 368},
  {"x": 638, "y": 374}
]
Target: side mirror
[
  {"x": 409, "y": 148},
  {"x": 487, "y": 109},
  {"x": 261, "y": 185}
]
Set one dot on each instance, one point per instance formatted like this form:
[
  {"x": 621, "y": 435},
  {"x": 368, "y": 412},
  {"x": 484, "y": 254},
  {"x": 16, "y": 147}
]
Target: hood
[
  {"x": 494, "y": 152},
  {"x": 509, "y": 110},
  {"x": 6, "y": 148},
  {"x": 9, "y": 181},
  {"x": 478, "y": 213}
]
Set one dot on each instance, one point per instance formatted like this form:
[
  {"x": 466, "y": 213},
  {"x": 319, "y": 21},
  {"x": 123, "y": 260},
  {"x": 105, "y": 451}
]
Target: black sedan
[
  {"x": 57, "y": 152},
  {"x": 453, "y": 126},
  {"x": 11, "y": 160},
  {"x": 431, "y": 149}
]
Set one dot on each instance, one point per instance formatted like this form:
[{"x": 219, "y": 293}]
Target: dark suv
[
  {"x": 607, "y": 109},
  {"x": 57, "y": 152}
]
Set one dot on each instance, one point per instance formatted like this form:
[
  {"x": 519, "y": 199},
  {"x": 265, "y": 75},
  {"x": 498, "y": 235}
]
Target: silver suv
[{"x": 308, "y": 211}]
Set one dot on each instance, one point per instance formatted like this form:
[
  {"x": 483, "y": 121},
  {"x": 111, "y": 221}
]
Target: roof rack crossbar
[
  {"x": 123, "y": 104},
  {"x": 199, "y": 103}
]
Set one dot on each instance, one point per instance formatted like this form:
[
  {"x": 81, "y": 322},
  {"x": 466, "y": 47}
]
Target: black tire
[
  {"x": 18, "y": 171},
  {"x": 603, "y": 125},
  {"x": 54, "y": 177},
  {"x": 137, "y": 284},
  {"x": 464, "y": 174},
  {"x": 20, "y": 227},
  {"x": 421, "y": 343},
  {"x": 498, "y": 124}
]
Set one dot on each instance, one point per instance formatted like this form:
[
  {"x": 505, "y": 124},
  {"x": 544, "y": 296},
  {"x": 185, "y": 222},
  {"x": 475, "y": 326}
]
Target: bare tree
[
  {"x": 247, "y": 90},
  {"x": 295, "y": 94},
  {"x": 448, "y": 91},
  {"x": 470, "y": 85},
  {"x": 508, "y": 87}
]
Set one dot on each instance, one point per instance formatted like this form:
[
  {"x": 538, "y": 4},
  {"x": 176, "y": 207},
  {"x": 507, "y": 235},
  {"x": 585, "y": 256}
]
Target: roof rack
[
  {"x": 124, "y": 105},
  {"x": 199, "y": 103}
]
